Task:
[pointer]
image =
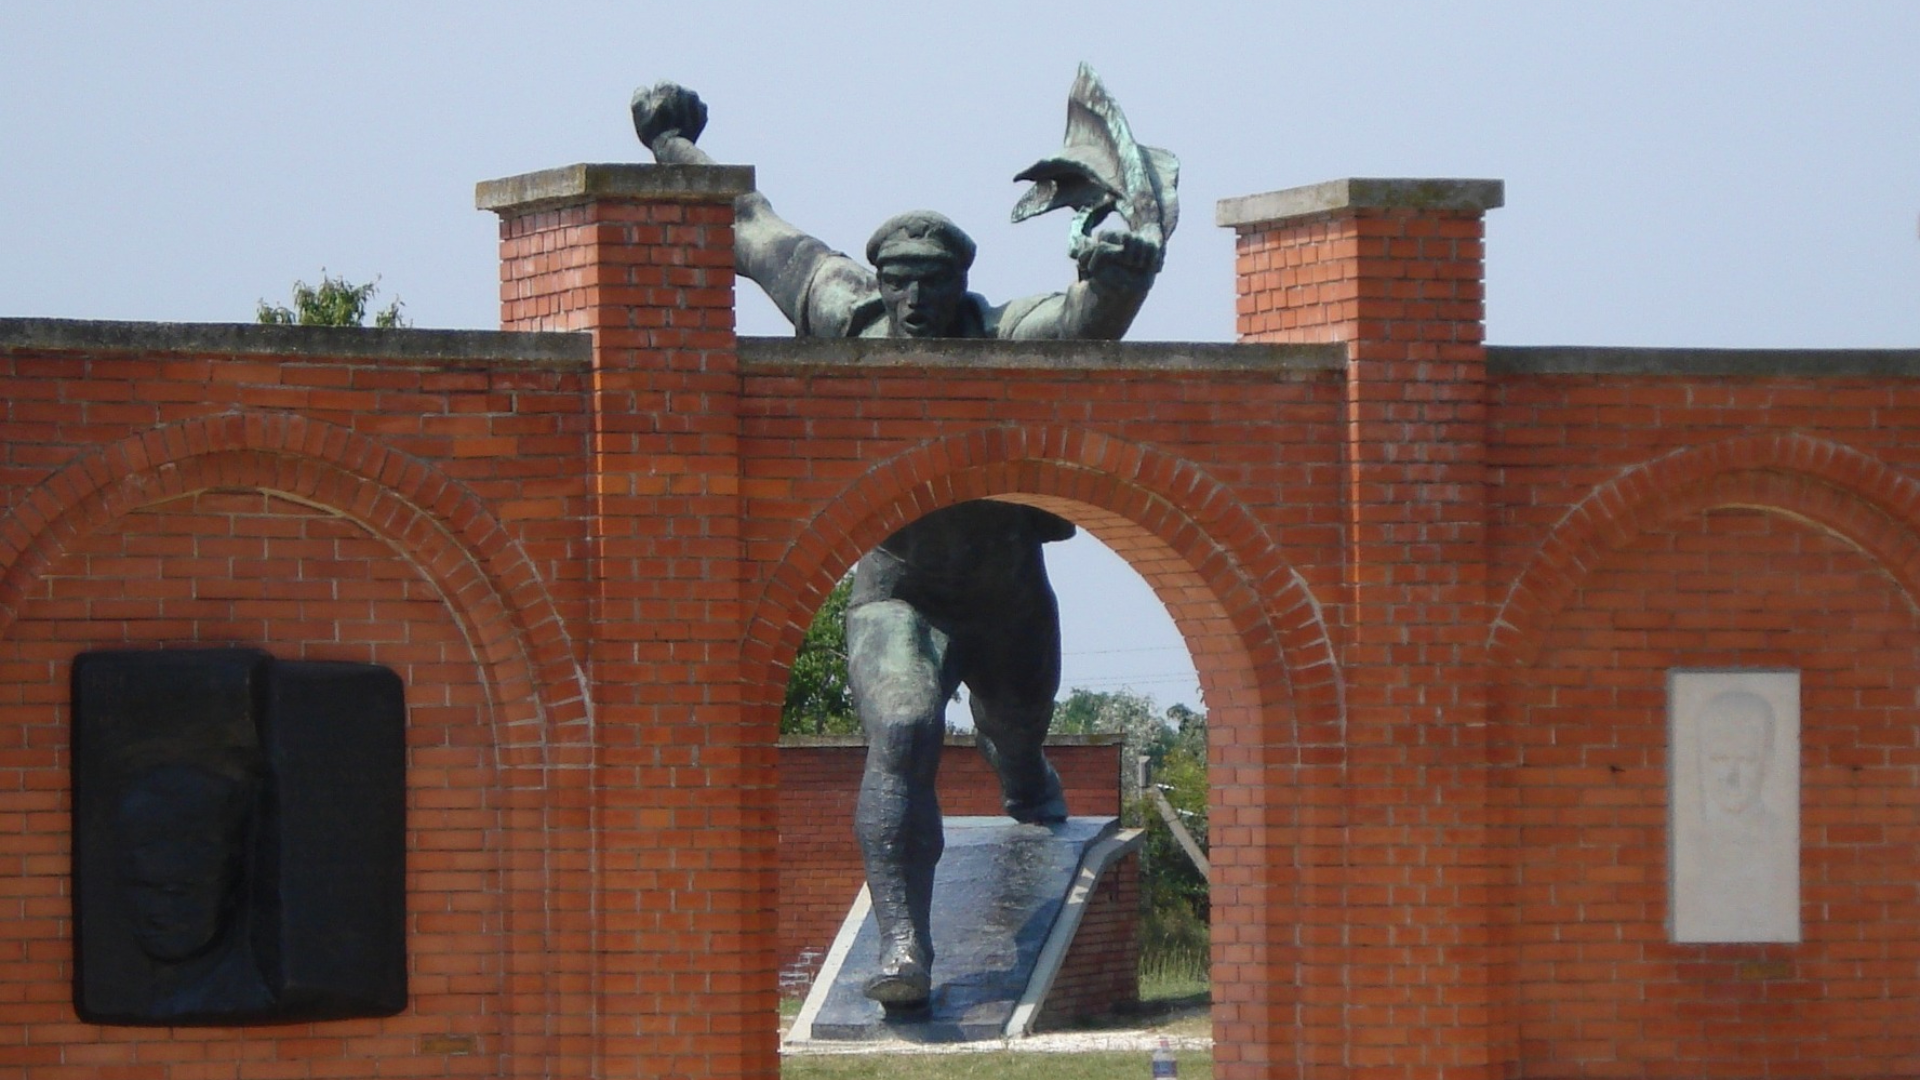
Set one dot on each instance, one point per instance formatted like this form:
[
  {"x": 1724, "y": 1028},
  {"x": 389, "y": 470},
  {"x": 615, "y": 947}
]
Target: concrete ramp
[{"x": 1007, "y": 901}]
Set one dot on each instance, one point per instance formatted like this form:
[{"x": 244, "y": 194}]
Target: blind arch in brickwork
[
  {"x": 441, "y": 528},
  {"x": 1832, "y": 486}
]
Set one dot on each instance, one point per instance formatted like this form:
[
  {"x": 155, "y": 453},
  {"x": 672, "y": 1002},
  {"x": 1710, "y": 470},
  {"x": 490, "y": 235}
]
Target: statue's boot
[
  {"x": 1045, "y": 805},
  {"x": 905, "y": 978}
]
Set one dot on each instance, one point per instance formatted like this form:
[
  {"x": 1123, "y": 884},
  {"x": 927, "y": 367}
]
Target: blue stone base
[{"x": 998, "y": 891}]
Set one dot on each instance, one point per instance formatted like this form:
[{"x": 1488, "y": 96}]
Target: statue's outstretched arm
[
  {"x": 767, "y": 250},
  {"x": 1116, "y": 270}
]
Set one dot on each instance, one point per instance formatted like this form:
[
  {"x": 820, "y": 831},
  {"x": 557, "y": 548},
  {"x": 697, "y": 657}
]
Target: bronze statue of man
[{"x": 961, "y": 595}]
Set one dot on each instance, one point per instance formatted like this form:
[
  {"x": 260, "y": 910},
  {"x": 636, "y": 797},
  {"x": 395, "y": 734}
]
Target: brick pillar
[
  {"x": 681, "y": 980},
  {"x": 1394, "y": 268}
]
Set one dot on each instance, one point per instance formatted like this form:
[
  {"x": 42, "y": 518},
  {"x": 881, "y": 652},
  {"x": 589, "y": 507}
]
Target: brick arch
[
  {"x": 1273, "y": 688},
  {"x": 1834, "y": 487},
  {"x": 446, "y": 531},
  {"x": 1206, "y": 556}
]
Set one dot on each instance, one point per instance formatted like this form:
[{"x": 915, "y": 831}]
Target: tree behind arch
[
  {"x": 334, "y": 302},
  {"x": 819, "y": 698}
]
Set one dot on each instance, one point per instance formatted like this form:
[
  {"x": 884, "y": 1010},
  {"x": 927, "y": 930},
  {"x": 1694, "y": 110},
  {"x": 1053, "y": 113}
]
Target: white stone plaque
[{"x": 1733, "y": 805}]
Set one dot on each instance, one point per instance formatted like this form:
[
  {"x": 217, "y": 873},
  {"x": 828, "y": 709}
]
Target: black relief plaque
[{"x": 239, "y": 832}]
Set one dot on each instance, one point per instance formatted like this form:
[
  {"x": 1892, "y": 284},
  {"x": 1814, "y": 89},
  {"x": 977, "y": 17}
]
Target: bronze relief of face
[{"x": 182, "y": 857}]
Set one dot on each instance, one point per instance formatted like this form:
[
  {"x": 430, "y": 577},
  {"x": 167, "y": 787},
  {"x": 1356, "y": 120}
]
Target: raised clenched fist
[{"x": 667, "y": 109}]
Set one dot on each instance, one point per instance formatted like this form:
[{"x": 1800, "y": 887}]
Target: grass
[{"x": 1177, "y": 980}]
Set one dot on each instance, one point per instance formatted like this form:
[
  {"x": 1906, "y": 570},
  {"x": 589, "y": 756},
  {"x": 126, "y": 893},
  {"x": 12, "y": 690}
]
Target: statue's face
[{"x": 923, "y": 297}]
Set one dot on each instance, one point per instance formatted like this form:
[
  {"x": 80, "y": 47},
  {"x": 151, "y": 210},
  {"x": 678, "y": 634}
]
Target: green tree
[
  {"x": 819, "y": 699},
  {"x": 1181, "y": 776},
  {"x": 1174, "y": 895},
  {"x": 1116, "y": 712},
  {"x": 1175, "y": 903},
  {"x": 334, "y": 302}
]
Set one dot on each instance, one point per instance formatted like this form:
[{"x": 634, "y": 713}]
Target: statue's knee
[
  {"x": 899, "y": 698},
  {"x": 903, "y": 746}
]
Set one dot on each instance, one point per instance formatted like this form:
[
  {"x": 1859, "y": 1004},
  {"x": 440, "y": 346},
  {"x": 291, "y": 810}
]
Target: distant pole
[{"x": 1187, "y": 843}]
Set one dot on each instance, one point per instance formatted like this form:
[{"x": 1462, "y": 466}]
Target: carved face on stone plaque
[
  {"x": 1736, "y": 736},
  {"x": 183, "y": 856}
]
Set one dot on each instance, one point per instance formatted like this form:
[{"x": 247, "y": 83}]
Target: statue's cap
[{"x": 920, "y": 234}]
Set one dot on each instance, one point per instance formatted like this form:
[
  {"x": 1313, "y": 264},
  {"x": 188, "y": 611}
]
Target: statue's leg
[
  {"x": 1012, "y": 675},
  {"x": 1012, "y": 735},
  {"x": 897, "y": 664}
]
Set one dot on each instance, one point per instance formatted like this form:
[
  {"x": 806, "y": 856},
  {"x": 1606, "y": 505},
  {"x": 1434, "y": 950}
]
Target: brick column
[
  {"x": 1393, "y": 268},
  {"x": 682, "y": 980}
]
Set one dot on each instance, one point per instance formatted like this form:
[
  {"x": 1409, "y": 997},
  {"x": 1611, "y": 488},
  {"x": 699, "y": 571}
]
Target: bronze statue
[{"x": 961, "y": 595}]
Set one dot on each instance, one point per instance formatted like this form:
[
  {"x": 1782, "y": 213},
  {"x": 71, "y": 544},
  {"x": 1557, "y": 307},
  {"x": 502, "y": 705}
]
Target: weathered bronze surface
[{"x": 961, "y": 596}]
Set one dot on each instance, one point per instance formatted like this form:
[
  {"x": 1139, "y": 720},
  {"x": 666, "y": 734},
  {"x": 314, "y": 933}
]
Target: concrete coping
[
  {"x": 827, "y": 354},
  {"x": 1248, "y": 212},
  {"x": 1774, "y": 363},
  {"x": 260, "y": 339},
  {"x": 952, "y": 739},
  {"x": 571, "y": 184}
]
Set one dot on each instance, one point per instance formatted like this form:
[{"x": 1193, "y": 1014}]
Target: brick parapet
[{"x": 456, "y": 348}]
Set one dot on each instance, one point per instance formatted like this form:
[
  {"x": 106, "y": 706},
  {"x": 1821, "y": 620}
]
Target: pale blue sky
[{"x": 1678, "y": 173}]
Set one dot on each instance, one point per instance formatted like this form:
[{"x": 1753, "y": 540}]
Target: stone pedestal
[{"x": 1006, "y": 903}]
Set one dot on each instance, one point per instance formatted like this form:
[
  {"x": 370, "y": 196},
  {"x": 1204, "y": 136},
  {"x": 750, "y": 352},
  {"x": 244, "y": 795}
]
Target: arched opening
[
  {"x": 1258, "y": 648},
  {"x": 1128, "y": 710}
]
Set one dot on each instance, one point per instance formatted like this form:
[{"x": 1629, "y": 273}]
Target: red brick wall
[
  {"x": 820, "y": 870},
  {"x": 244, "y": 568},
  {"x": 1649, "y": 521},
  {"x": 1101, "y": 972},
  {"x": 317, "y": 506},
  {"x": 1600, "y": 990},
  {"x": 1428, "y": 594}
]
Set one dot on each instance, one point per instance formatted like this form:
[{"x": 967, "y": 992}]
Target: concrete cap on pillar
[
  {"x": 1358, "y": 193},
  {"x": 573, "y": 184}
]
